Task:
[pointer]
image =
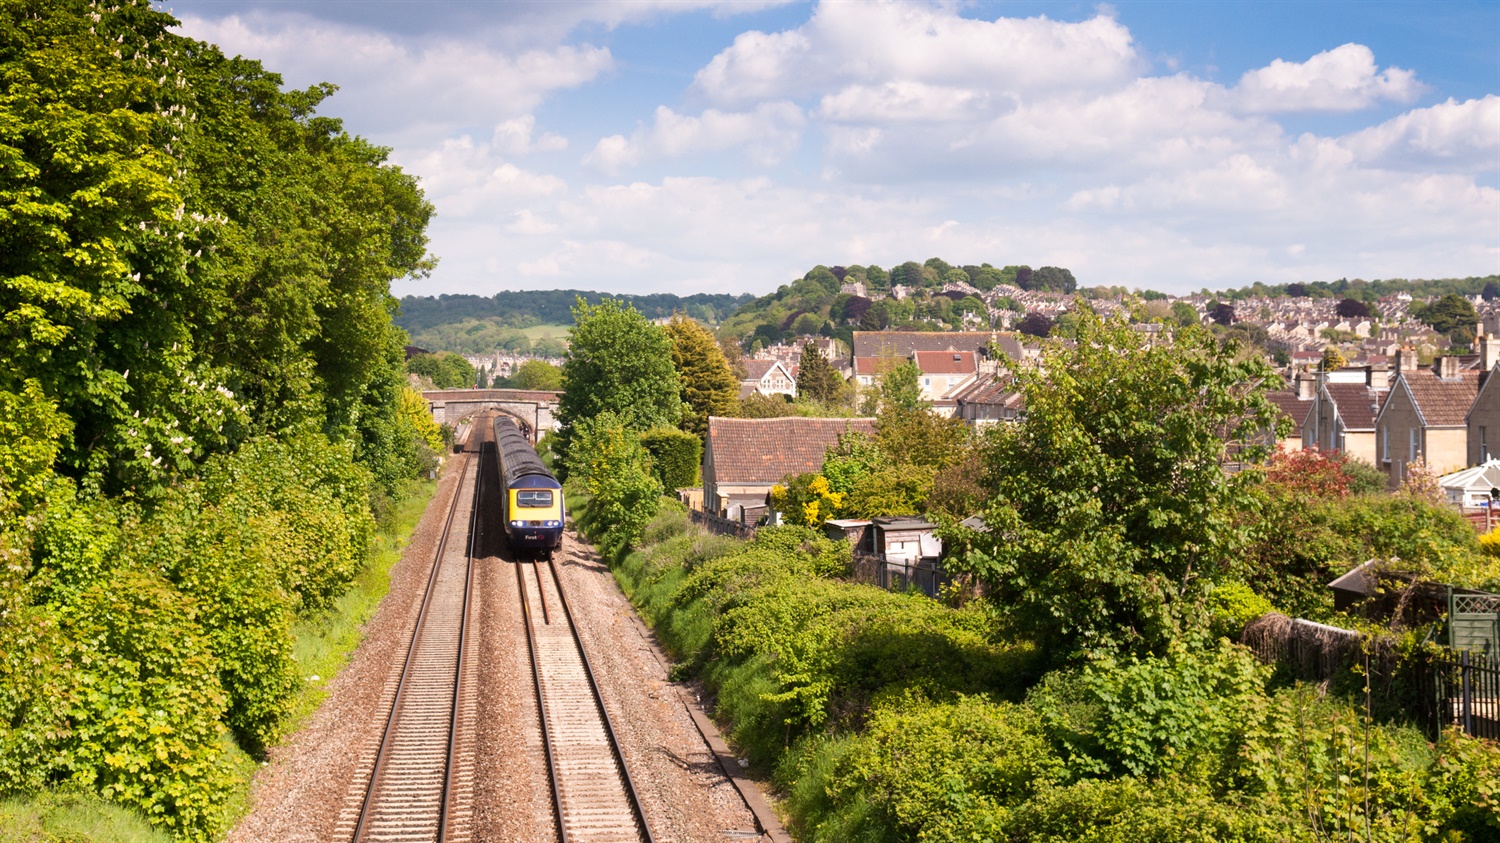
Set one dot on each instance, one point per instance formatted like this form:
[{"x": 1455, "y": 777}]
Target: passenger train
[{"x": 532, "y": 505}]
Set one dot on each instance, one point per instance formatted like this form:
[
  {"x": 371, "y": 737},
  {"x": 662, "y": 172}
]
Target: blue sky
[{"x": 702, "y": 146}]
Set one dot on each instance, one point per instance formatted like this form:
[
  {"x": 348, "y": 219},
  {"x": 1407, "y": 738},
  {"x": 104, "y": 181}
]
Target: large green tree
[
  {"x": 709, "y": 387},
  {"x": 617, "y": 362},
  {"x": 816, "y": 377},
  {"x": 1110, "y": 514},
  {"x": 1449, "y": 312}
]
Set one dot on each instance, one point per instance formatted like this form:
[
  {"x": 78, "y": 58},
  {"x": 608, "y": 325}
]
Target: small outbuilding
[{"x": 1473, "y": 487}]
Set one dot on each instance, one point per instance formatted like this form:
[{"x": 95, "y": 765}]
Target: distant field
[{"x": 543, "y": 332}]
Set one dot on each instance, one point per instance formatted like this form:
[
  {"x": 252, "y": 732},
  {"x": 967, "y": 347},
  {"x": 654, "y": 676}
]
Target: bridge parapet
[{"x": 534, "y": 409}]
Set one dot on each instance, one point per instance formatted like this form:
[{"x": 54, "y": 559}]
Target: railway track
[
  {"x": 593, "y": 798},
  {"x": 415, "y": 778}
]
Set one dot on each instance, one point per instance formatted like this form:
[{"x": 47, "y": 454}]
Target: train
[{"x": 532, "y": 505}]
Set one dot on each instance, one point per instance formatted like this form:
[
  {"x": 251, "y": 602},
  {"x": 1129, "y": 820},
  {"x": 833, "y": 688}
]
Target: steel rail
[
  {"x": 541, "y": 703},
  {"x": 609, "y": 729},
  {"x": 389, "y": 731}
]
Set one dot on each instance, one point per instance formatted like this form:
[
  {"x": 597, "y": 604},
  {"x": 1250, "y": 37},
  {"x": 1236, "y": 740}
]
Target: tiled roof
[
  {"x": 905, "y": 343},
  {"x": 1357, "y": 404},
  {"x": 757, "y": 369},
  {"x": 1442, "y": 403},
  {"x": 945, "y": 362},
  {"x": 767, "y": 450},
  {"x": 1290, "y": 405},
  {"x": 874, "y": 365}
]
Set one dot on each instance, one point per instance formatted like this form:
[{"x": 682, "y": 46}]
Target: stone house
[
  {"x": 942, "y": 373},
  {"x": 744, "y": 458},
  {"x": 1342, "y": 417},
  {"x": 1427, "y": 416},
  {"x": 768, "y": 377},
  {"x": 988, "y": 399}
]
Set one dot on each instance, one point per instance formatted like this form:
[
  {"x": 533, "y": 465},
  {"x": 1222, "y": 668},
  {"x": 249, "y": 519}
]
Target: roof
[
  {"x": 757, "y": 369},
  {"x": 767, "y": 450},
  {"x": 1442, "y": 403},
  {"x": 946, "y": 362},
  {"x": 999, "y": 390},
  {"x": 906, "y": 343},
  {"x": 875, "y": 365},
  {"x": 1357, "y": 404},
  {"x": 1290, "y": 405},
  {"x": 1484, "y": 477}
]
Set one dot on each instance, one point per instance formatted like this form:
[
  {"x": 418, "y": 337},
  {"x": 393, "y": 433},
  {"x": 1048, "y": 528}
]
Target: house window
[
  {"x": 1484, "y": 448},
  {"x": 1385, "y": 442},
  {"x": 1411, "y": 445}
]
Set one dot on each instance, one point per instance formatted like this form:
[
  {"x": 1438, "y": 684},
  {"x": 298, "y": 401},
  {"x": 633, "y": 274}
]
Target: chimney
[
  {"x": 1307, "y": 386},
  {"x": 1406, "y": 360},
  {"x": 1448, "y": 367},
  {"x": 1489, "y": 352}
]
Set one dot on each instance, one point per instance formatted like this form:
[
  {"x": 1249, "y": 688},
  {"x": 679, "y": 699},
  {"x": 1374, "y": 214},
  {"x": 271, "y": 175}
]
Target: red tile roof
[
  {"x": 946, "y": 362},
  {"x": 767, "y": 450},
  {"x": 1291, "y": 406},
  {"x": 1442, "y": 403},
  {"x": 904, "y": 343},
  {"x": 1357, "y": 404}
]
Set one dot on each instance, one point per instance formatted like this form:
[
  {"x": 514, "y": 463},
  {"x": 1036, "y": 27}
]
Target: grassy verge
[
  {"x": 323, "y": 643},
  {"x": 57, "y": 817}
]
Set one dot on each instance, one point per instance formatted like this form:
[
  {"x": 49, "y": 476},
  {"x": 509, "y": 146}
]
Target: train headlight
[
  {"x": 554, "y": 523},
  {"x": 518, "y": 523}
]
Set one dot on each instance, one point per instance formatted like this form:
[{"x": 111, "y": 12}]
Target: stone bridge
[{"x": 535, "y": 411}]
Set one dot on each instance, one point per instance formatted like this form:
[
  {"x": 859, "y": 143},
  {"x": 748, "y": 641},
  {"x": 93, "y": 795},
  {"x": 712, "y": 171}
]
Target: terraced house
[{"x": 1434, "y": 413}]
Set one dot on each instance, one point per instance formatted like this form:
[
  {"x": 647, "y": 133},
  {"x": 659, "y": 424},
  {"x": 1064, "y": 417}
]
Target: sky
[{"x": 728, "y": 147}]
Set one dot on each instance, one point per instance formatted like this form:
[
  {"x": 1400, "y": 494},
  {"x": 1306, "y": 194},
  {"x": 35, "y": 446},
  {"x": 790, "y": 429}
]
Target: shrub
[
  {"x": 675, "y": 456},
  {"x": 608, "y": 459}
]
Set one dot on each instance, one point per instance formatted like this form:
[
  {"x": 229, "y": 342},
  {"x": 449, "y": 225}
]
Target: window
[
  {"x": 534, "y": 498},
  {"x": 1411, "y": 445},
  {"x": 1385, "y": 442},
  {"x": 1484, "y": 448}
]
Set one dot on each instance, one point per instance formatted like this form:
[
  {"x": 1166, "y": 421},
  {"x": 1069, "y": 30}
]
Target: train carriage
[{"x": 532, "y": 506}]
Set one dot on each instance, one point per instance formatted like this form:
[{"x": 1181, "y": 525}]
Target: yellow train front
[{"x": 532, "y": 507}]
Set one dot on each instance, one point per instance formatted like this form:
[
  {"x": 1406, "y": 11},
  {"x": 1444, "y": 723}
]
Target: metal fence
[
  {"x": 924, "y": 575},
  {"x": 1462, "y": 689},
  {"x": 721, "y": 525}
]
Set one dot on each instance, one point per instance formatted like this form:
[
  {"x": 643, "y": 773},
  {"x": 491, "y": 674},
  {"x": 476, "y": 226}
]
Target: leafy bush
[
  {"x": 675, "y": 456},
  {"x": 607, "y": 458}
]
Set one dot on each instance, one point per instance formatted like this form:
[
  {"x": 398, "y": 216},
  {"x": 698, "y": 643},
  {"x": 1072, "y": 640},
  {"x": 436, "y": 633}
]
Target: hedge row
[{"x": 892, "y": 717}]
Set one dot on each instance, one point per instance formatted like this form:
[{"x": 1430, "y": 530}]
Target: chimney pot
[
  {"x": 1406, "y": 360},
  {"x": 1489, "y": 352},
  {"x": 1448, "y": 367}
]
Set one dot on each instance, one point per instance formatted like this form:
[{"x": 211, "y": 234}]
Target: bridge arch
[{"x": 535, "y": 411}]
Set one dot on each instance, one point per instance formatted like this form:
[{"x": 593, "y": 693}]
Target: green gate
[{"x": 1473, "y": 621}]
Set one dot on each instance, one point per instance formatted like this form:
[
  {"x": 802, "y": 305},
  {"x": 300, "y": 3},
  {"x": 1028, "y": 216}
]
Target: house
[
  {"x": 1342, "y": 417},
  {"x": 989, "y": 398},
  {"x": 943, "y": 372},
  {"x": 1482, "y": 422},
  {"x": 744, "y": 458},
  {"x": 1425, "y": 417},
  {"x": 1295, "y": 405},
  {"x": 768, "y": 377}
]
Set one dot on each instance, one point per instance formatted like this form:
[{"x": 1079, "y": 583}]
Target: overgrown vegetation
[
  {"x": 1090, "y": 690},
  {"x": 205, "y": 423}
]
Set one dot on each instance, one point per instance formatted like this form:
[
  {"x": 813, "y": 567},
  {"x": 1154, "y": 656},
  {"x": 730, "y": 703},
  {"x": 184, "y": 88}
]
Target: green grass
[
  {"x": 544, "y": 332},
  {"x": 64, "y": 817}
]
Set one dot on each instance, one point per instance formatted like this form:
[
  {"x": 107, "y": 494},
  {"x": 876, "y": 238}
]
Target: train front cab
[{"x": 534, "y": 514}]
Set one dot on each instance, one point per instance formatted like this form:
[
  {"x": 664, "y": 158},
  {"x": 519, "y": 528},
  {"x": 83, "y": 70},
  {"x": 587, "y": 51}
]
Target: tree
[
  {"x": 1222, "y": 313},
  {"x": 1184, "y": 313},
  {"x": 1109, "y": 517},
  {"x": 709, "y": 387},
  {"x": 901, "y": 388},
  {"x": 1023, "y": 277},
  {"x": 816, "y": 377},
  {"x": 1332, "y": 359},
  {"x": 1296, "y": 290},
  {"x": 1491, "y": 290},
  {"x": 1053, "y": 279},
  {"x": 618, "y": 362},
  {"x": 445, "y": 369},
  {"x": 1352, "y": 309},
  {"x": 1449, "y": 312},
  {"x": 537, "y": 374},
  {"x": 1035, "y": 325}
]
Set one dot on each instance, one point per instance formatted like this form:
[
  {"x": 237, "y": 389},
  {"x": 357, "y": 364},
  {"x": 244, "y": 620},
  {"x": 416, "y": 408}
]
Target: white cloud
[
  {"x": 514, "y": 137},
  {"x": 766, "y": 134},
  {"x": 1345, "y": 78},
  {"x": 400, "y": 90},
  {"x": 879, "y": 43},
  {"x": 1454, "y": 134}
]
